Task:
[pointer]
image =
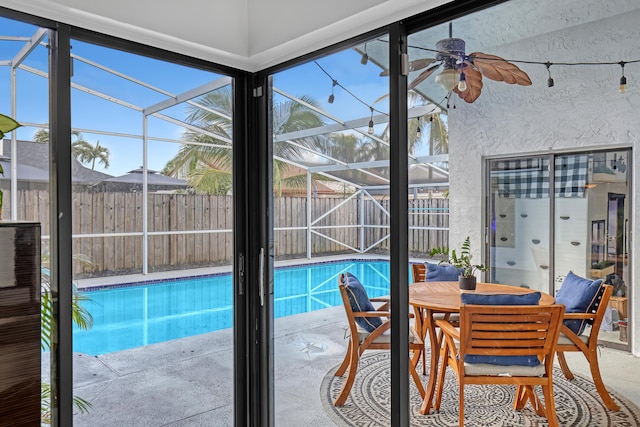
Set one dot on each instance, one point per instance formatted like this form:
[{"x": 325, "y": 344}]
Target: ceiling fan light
[
  {"x": 462, "y": 84},
  {"x": 448, "y": 79}
]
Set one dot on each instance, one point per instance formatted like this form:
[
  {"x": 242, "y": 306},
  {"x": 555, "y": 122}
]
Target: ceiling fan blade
[
  {"x": 495, "y": 68},
  {"x": 422, "y": 76},
  {"x": 414, "y": 65},
  {"x": 474, "y": 85},
  {"x": 419, "y": 64}
]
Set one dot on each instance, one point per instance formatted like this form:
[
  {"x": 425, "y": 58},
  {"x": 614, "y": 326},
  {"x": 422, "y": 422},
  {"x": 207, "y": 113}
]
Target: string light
[
  {"x": 623, "y": 79},
  {"x": 550, "y": 82},
  {"x": 331, "y": 97},
  {"x": 371, "y": 122},
  {"x": 365, "y": 57},
  {"x": 418, "y": 130},
  {"x": 548, "y": 64}
]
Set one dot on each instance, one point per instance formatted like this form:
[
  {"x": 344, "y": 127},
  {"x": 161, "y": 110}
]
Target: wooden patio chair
[
  {"x": 419, "y": 272},
  {"x": 440, "y": 273},
  {"x": 504, "y": 344},
  {"x": 368, "y": 330},
  {"x": 569, "y": 340}
]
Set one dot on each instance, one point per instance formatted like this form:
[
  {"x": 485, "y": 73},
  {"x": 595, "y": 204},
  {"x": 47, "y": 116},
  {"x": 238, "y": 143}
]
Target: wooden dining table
[{"x": 430, "y": 298}]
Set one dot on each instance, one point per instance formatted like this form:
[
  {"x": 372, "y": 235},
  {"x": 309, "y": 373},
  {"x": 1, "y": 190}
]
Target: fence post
[
  {"x": 308, "y": 214},
  {"x": 361, "y": 220}
]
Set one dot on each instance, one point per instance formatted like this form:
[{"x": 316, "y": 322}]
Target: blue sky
[{"x": 91, "y": 112}]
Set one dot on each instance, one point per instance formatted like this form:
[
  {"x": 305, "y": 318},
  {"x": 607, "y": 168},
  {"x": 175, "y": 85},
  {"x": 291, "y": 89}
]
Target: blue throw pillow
[
  {"x": 579, "y": 295},
  {"x": 359, "y": 301},
  {"x": 441, "y": 273},
  {"x": 532, "y": 298}
]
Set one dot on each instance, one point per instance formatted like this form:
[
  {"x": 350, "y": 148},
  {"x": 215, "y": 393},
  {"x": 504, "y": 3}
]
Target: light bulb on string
[
  {"x": 371, "y": 122},
  {"x": 550, "y": 81},
  {"x": 623, "y": 79},
  {"x": 418, "y": 130},
  {"x": 332, "y": 97},
  {"x": 462, "y": 84}
]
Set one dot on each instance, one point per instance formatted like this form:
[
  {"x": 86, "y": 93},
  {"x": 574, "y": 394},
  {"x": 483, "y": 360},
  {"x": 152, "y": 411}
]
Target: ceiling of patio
[
  {"x": 246, "y": 34},
  {"x": 255, "y": 34}
]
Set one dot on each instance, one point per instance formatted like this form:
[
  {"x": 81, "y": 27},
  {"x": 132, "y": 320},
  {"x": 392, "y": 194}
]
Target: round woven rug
[{"x": 577, "y": 401}]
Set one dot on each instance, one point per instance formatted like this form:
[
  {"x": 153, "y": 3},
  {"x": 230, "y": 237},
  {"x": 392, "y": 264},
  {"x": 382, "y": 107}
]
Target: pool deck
[{"x": 188, "y": 382}]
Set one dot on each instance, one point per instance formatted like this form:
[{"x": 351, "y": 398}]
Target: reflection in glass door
[
  {"x": 519, "y": 222},
  {"x": 24, "y": 197}
]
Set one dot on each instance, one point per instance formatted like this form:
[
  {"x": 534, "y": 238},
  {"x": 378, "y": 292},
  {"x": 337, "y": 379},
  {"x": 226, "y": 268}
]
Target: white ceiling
[{"x": 246, "y": 34}]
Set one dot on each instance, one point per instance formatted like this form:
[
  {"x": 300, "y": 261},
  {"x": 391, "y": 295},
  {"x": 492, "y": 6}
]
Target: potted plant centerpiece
[
  {"x": 462, "y": 261},
  {"x": 7, "y": 124}
]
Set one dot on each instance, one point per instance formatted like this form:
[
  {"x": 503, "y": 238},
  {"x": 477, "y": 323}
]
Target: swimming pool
[{"x": 146, "y": 313}]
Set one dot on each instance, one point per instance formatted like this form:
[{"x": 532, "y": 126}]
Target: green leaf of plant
[{"x": 7, "y": 124}]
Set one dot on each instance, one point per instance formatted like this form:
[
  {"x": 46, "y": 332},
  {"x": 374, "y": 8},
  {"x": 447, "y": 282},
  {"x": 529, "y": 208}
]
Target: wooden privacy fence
[{"x": 187, "y": 230}]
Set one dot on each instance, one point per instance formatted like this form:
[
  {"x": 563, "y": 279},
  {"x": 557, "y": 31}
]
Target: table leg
[
  {"x": 420, "y": 329},
  {"x": 429, "y": 326}
]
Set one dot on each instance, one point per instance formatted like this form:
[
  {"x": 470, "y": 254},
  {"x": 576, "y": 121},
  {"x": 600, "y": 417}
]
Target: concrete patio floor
[{"x": 188, "y": 382}]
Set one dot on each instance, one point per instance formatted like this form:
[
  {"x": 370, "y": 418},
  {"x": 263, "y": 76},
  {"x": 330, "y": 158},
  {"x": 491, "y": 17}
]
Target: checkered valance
[{"x": 529, "y": 178}]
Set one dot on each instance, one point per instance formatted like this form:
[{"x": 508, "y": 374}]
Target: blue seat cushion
[
  {"x": 579, "y": 295},
  {"x": 532, "y": 298},
  {"x": 441, "y": 273},
  {"x": 359, "y": 301}
]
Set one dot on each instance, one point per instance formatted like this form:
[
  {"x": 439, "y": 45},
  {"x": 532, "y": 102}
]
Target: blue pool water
[{"x": 141, "y": 314}]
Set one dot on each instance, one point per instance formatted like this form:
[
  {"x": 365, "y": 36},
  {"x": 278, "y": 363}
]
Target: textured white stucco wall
[{"x": 583, "y": 109}]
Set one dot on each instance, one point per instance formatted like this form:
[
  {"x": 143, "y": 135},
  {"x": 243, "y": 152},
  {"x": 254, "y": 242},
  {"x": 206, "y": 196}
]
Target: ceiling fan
[{"x": 463, "y": 73}]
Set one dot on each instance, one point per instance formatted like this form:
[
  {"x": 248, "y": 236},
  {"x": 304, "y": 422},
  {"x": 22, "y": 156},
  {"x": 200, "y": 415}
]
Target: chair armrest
[
  {"x": 578, "y": 316},
  {"x": 381, "y": 307},
  {"x": 371, "y": 314},
  {"x": 448, "y": 329}
]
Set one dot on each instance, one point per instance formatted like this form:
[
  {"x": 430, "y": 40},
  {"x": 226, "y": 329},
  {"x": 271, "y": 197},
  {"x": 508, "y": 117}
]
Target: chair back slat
[
  {"x": 419, "y": 272},
  {"x": 509, "y": 330}
]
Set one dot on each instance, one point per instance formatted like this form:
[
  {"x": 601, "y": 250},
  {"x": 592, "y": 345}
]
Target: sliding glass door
[{"x": 551, "y": 214}]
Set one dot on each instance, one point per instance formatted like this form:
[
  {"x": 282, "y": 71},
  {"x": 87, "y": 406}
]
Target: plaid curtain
[
  {"x": 571, "y": 175},
  {"x": 529, "y": 178}
]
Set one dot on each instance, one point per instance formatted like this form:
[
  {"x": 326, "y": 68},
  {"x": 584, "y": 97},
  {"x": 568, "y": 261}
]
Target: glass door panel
[
  {"x": 592, "y": 229},
  {"x": 152, "y": 246},
  {"x": 590, "y": 222},
  {"x": 519, "y": 222},
  {"x": 330, "y": 127},
  {"x": 24, "y": 197}
]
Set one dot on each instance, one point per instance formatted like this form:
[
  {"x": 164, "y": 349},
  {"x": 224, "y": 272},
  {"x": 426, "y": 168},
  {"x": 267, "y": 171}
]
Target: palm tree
[
  {"x": 207, "y": 168},
  {"x": 87, "y": 153},
  {"x": 42, "y": 135},
  {"x": 80, "y": 148},
  {"x": 432, "y": 123}
]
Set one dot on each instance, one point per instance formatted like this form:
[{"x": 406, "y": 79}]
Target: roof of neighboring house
[
  {"x": 132, "y": 181},
  {"x": 25, "y": 172},
  {"x": 35, "y": 155}
]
